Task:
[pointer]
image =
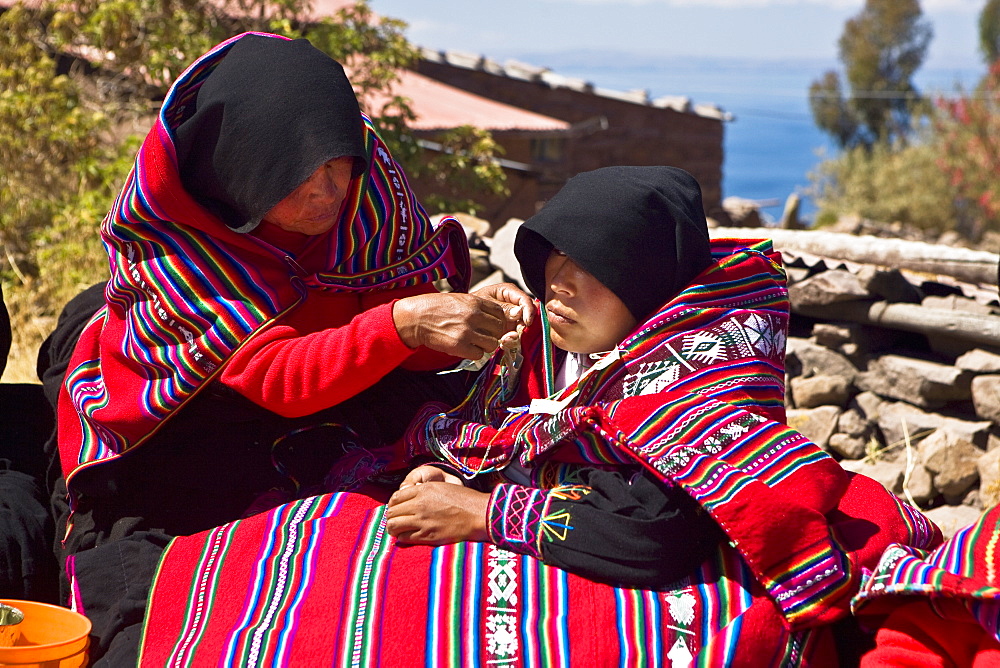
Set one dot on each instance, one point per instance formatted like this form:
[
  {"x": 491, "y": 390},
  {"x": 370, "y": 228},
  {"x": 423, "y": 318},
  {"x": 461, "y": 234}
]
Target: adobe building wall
[{"x": 637, "y": 134}]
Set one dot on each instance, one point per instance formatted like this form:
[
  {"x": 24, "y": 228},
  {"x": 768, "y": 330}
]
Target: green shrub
[{"x": 889, "y": 184}]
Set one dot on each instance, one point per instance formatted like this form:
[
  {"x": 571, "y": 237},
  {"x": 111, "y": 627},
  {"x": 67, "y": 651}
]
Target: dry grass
[{"x": 29, "y": 329}]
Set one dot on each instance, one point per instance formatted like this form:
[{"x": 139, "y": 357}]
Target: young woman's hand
[
  {"x": 437, "y": 513},
  {"x": 427, "y": 473}
]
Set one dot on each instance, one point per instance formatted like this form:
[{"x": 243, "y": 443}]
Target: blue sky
[{"x": 765, "y": 29}]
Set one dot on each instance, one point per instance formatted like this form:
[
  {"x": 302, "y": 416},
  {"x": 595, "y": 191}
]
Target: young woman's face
[
  {"x": 314, "y": 207},
  {"x": 584, "y": 316}
]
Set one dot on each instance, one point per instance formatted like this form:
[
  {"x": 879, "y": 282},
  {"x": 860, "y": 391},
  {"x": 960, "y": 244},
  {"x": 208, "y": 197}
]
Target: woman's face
[
  {"x": 314, "y": 207},
  {"x": 584, "y": 315}
]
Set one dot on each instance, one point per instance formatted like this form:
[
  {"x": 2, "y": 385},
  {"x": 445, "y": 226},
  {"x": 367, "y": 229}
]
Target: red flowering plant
[{"x": 968, "y": 130}]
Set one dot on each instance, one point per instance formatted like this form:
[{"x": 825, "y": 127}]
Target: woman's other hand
[
  {"x": 455, "y": 323},
  {"x": 437, "y": 513},
  {"x": 429, "y": 473}
]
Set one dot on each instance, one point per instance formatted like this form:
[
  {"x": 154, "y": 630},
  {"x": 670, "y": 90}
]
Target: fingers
[
  {"x": 400, "y": 496},
  {"x": 428, "y": 473},
  {"x": 496, "y": 312},
  {"x": 511, "y": 296},
  {"x": 414, "y": 477},
  {"x": 463, "y": 325}
]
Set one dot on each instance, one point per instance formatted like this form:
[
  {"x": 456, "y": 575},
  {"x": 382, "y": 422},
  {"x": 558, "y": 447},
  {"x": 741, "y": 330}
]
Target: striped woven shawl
[
  {"x": 966, "y": 569},
  {"x": 695, "y": 395},
  {"x": 186, "y": 291}
]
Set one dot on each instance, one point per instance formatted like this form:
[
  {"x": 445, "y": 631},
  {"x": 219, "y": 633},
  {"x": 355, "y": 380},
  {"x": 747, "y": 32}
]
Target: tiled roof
[
  {"x": 525, "y": 72},
  {"x": 440, "y": 106}
]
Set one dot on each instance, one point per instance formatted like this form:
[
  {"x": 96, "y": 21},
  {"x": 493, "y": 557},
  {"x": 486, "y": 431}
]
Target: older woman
[
  {"x": 633, "y": 497},
  {"x": 270, "y": 310}
]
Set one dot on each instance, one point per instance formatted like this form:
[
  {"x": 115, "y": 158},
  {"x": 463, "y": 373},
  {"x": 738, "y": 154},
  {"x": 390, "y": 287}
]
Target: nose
[
  {"x": 325, "y": 189},
  {"x": 561, "y": 276}
]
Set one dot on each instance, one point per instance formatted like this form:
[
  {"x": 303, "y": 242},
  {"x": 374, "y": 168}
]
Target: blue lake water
[{"x": 771, "y": 144}]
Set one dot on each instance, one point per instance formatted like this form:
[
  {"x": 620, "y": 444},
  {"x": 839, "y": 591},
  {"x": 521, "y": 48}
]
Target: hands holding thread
[
  {"x": 433, "y": 507},
  {"x": 464, "y": 325}
]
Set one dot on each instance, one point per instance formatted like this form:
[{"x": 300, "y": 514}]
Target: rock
[
  {"x": 481, "y": 267},
  {"x": 494, "y": 278},
  {"x": 816, "y": 424},
  {"x": 979, "y": 361},
  {"x": 816, "y": 360},
  {"x": 848, "y": 447},
  {"x": 952, "y": 461},
  {"x": 920, "y": 382},
  {"x": 820, "y": 391},
  {"x": 989, "y": 478},
  {"x": 502, "y": 251},
  {"x": 473, "y": 226},
  {"x": 893, "y": 414},
  {"x": 948, "y": 345},
  {"x": 889, "y": 474},
  {"x": 889, "y": 284},
  {"x": 919, "y": 484},
  {"x": 986, "y": 397},
  {"x": 742, "y": 212},
  {"x": 852, "y": 423},
  {"x": 973, "y": 499},
  {"x": 833, "y": 335},
  {"x": 952, "y": 518},
  {"x": 796, "y": 274},
  {"x": 868, "y": 404},
  {"x": 828, "y": 287}
]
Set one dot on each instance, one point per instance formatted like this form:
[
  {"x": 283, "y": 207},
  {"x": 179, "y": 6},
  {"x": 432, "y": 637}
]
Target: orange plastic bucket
[{"x": 51, "y": 637}]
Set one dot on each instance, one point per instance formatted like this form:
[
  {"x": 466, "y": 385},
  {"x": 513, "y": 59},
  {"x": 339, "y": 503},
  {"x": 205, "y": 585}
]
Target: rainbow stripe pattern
[
  {"x": 186, "y": 291},
  {"x": 319, "y": 582},
  {"x": 964, "y": 568}
]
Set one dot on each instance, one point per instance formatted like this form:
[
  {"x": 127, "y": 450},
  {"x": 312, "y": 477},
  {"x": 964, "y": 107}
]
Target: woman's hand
[
  {"x": 510, "y": 297},
  {"x": 455, "y": 323},
  {"x": 437, "y": 513}
]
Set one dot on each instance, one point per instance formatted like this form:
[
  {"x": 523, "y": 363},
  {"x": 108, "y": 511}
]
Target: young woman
[{"x": 639, "y": 500}]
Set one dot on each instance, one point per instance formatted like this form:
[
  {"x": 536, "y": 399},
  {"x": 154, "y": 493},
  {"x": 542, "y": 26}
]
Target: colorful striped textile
[
  {"x": 186, "y": 291},
  {"x": 695, "y": 395},
  {"x": 966, "y": 569},
  {"x": 319, "y": 582}
]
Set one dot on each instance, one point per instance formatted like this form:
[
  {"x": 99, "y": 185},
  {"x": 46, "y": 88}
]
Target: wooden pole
[
  {"x": 961, "y": 263},
  {"x": 973, "y": 327}
]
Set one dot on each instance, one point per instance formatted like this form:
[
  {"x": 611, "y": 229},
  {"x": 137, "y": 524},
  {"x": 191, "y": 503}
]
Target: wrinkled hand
[
  {"x": 455, "y": 323},
  {"x": 428, "y": 473},
  {"x": 510, "y": 297},
  {"x": 437, "y": 513}
]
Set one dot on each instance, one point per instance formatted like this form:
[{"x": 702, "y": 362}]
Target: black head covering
[
  {"x": 640, "y": 231},
  {"x": 269, "y": 114}
]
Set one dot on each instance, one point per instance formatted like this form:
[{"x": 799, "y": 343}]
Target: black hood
[
  {"x": 640, "y": 231},
  {"x": 266, "y": 117}
]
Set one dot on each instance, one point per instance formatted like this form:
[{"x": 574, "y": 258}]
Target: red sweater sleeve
[{"x": 326, "y": 351}]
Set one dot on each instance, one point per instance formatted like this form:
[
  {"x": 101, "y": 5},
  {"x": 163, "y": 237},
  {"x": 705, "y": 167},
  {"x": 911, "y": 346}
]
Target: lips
[
  {"x": 323, "y": 217},
  {"x": 558, "y": 315}
]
